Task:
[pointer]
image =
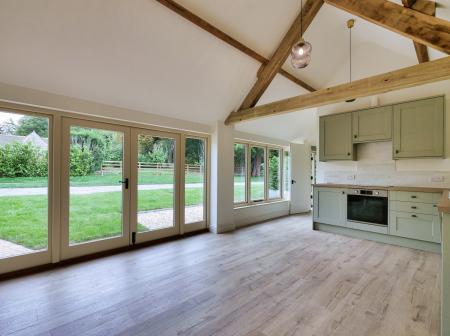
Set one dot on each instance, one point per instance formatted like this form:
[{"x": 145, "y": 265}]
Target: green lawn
[
  {"x": 23, "y": 219},
  {"x": 145, "y": 177}
]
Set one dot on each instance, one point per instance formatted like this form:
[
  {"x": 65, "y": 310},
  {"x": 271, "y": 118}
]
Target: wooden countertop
[
  {"x": 444, "y": 203},
  {"x": 389, "y": 188}
]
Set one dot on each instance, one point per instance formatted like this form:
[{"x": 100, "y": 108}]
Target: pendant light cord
[
  {"x": 350, "y": 54},
  {"x": 301, "y": 18}
]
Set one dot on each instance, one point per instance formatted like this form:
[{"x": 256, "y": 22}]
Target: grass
[
  {"x": 145, "y": 177},
  {"x": 23, "y": 219}
]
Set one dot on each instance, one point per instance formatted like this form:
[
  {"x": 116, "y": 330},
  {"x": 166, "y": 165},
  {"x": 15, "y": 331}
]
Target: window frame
[{"x": 248, "y": 146}]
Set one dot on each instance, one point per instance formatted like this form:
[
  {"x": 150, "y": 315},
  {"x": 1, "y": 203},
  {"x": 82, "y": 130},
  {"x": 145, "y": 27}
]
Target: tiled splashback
[{"x": 376, "y": 167}]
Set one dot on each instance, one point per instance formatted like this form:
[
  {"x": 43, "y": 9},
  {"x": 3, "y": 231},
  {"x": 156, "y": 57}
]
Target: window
[
  {"x": 261, "y": 173},
  {"x": 194, "y": 180},
  {"x": 274, "y": 173},
  {"x": 257, "y": 174},
  {"x": 287, "y": 174},
  {"x": 240, "y": 173}
]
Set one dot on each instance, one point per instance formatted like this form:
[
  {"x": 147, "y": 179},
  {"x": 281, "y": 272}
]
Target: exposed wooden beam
[
  {"x": 408, "y": 3},
  {"x": 426, "y": 7},
  {"x": 408, "y": 77},
  {"x": 268, "y": 71},
  {"x": 198, "y": 21},
  {"x": 422, "y": 28}
]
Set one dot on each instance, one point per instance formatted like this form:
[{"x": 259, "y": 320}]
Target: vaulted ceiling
[{"x": 139, "y": 55}]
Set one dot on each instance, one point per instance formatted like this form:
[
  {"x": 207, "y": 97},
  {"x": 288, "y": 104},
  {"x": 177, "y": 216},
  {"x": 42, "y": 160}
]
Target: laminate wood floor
[{"x": 276, "y": 278}]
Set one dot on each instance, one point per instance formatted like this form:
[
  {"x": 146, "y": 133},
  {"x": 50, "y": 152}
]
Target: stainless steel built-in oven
[{"x": 367, "y": 206}]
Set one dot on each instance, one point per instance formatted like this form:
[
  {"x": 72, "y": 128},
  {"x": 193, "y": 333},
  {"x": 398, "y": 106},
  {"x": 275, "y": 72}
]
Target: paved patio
[{"x": 8, "y": 249}]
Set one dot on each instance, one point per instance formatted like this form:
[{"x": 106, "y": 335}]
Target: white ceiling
[{"x": 139, "y": 55}]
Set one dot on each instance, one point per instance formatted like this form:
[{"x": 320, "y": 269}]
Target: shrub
[
  {"x": 23, "y": 160},
  {"x": 81, "y": 161}
]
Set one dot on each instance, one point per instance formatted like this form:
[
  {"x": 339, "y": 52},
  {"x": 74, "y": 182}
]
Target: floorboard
[{"x": 276, "y": 278}]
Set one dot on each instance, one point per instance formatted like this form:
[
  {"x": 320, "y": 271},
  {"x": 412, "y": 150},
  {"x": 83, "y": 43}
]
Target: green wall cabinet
[
  {"x": 419, "y": 129},
  {"x": 373, "y": 124},
  {"x": 330, "y": 206},
  {"x": 335, "y": 137}
]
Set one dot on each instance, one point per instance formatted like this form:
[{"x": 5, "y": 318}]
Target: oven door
[{"x": 367, "y": 209}]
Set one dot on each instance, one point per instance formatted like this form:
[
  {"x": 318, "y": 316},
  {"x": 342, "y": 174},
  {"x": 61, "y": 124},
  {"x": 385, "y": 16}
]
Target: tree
[
  {"x": 8, "y": 127},
  {"x": 28, "y": 124}
]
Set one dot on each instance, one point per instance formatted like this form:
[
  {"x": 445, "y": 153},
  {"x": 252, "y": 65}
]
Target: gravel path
[{"x": 4, "y": 192}]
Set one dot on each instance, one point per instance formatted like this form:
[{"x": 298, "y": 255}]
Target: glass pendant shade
[{"x": 301, "y": 54}]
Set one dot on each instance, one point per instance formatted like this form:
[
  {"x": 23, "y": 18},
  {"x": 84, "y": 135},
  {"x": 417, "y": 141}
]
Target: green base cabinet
[
  {"x": 419, "y": 129},
  {"x": 372, "y": 125},
  {"x": 335, "y": 137},
  {"x": 415, "y": 226},
  {"x": 330, "y": 206}
]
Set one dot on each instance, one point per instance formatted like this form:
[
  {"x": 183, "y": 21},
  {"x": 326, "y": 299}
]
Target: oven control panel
[{"x": 368, "y": 192}]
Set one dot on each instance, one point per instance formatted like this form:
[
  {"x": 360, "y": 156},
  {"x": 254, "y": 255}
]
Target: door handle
[
  {"x": 293, "y": 181},
  {"x": 125, "y": 182}
]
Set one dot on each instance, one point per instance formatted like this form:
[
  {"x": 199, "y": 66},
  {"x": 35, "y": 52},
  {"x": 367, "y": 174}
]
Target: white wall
[
  {"x": 256, "y": 213},
  {"x": 17, "y": 94},
  {"x": 375, "y": 164}
]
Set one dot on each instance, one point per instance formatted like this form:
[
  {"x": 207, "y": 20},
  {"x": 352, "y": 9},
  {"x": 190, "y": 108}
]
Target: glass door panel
[
  {"x": 194, "y": 181},
  {"x": 95, "y": 168},
  {"x": 155, "y": 174},
  {"x": 24, "y": 184}
]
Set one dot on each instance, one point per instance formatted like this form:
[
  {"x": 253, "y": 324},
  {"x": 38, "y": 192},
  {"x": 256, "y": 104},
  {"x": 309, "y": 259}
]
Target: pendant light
[
  {"x": 350, "y": 24},
  {"x": 301, "y": 51}
]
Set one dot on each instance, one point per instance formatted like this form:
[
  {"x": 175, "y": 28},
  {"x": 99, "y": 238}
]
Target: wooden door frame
[
  {"x": 167, "y": 232},
  {"x": 70, "y": 251}
]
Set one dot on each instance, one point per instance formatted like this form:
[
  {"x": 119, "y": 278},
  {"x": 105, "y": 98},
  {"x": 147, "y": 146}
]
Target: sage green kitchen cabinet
[
  {"x": 335, "y": 137},
  {"x": 419, "y": 129},
  {"x": 330, "y": 206},
  {"x": 415, "y": 226},
  {"x": 373, "y": 124}
]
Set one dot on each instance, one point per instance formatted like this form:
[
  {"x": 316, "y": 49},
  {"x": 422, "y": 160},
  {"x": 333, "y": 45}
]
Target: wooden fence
[{"x": 117, "y": 166}]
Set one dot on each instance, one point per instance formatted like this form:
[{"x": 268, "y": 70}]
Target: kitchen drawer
[
  {"x": 408, "y": 196},
  {"x": 415, "y": 226},
  {"x": 414, "y": 207}
]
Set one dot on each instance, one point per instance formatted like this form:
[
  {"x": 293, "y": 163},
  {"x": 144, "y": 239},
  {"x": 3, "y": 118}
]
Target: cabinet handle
[
  {"x": 355, "y": 136},
  {"x": 414, "y": 216},
  {"x": 414, "y": 196},
  {"x": 348, "y": 154},
  {"x": 413, "y": 207},
  {"x": 397, "y": 151}
]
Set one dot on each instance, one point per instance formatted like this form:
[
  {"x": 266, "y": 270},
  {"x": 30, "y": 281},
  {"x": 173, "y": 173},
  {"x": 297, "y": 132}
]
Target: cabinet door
[
  {"x": 372, "y": 124},
  {"x": 419, "y": 129},
  {"x": 415, "y": 226},
  {"x": 335, "y": 137},
  {"x": 330, "y": 206}
]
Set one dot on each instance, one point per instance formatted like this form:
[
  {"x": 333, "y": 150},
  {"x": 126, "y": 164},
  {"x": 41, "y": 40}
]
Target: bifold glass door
[
  {"x": 25, "y": 185},
  {"x": 109, "y": 186},
  {"x": 95, "y": 187}
]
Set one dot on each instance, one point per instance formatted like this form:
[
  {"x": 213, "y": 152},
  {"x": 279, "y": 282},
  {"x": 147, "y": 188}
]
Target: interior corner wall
[{"x": 222, "y": 179}]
